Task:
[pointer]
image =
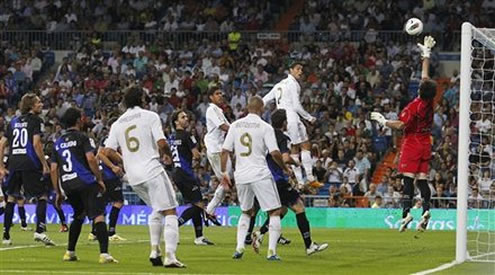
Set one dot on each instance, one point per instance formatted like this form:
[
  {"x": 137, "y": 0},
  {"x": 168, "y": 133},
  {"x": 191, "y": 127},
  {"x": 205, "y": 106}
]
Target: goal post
[{"x": 475, "y": 235}]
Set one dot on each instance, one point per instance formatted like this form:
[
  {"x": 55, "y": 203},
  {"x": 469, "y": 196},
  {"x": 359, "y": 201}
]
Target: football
[{"x": 413, "y": 26}]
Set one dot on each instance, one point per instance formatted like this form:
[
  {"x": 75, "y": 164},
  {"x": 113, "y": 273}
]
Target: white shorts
[
  {"x": 297, "y": 131},
  {"x": 264, "y": 190},
  {"x": 158, "y": 193},
  {"x": 215, "y": 162}
]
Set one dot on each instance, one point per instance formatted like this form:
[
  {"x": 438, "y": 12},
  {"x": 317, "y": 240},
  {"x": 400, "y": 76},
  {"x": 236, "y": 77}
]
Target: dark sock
[
  {"x": 197, "y": 223},
  {"x": 102, "y": 235},
  {"x": 22, "y": 215},
  {"x": 303, "y": 225},
  {"x": 408, "y": 194},
  {"x": 93, "y": 228},
  {"x": 41, "y": 216},
  {"x": 251, "y": 227},
  {"x": 74, "y": 232},
  {"x": 9, "y": 214},
  {"x": 114, "y": 215},
  {"x": 61, "y": 215},
  {"x": 264, "y": 227},
  {"x": 187, "y": 215},
  {"x": 425, "y": 194}
]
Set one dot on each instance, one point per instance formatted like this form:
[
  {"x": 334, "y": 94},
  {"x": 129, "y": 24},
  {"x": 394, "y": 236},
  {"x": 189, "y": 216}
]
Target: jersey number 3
[
  {"x": 247, "y": 141},
  {"x": 131, "y": 142}
]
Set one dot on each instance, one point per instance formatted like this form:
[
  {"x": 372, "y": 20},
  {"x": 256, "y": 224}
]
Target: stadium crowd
[{"x": 343, "y": 83}]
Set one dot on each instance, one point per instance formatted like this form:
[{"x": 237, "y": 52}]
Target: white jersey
[
  {"x": 286, "y": 95},
  {"x": 137, "y": 132},
  {"x": 251, "y": 139},
  {"x": 215, "y": 136}
]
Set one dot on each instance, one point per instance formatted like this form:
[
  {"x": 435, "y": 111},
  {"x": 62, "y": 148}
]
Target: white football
[{"x": 413, "y": 26}]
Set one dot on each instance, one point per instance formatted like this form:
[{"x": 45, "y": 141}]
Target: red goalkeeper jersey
[{"x": 418, "y": 119}]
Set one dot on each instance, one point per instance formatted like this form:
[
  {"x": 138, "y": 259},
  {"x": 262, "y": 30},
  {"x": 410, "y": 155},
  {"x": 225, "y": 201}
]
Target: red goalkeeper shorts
[{"x": 414, "y": 157}]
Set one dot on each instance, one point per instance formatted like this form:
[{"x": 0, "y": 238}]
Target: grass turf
[{"x": 350, "y": 252}]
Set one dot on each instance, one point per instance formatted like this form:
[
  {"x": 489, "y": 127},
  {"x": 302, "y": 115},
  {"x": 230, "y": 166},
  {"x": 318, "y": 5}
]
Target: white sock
[
  {"x": 155, "y": 223},
  {"x": 2, "y": 204},
  {"x": 274, "y": 229},
  {"x": 307, "y": 163},
  {"x": 171, "y": 235},
  {"x": 242, "y": 229},
  {"x": 217, "y": 199}
]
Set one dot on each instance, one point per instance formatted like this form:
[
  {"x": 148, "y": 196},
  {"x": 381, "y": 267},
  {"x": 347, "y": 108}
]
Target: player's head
[
  {"x": 427, "y": 89},
  {"x": 180, "y": 120},
  {"x": 255, "y": 105},
  {"x": 279, "y": 119},
  {"x": 133, "y": 97},
  {"x": 296, "y": 69},
  {"x": 215, "y": 95},
  {"x": 72, "y": 118},
  {"x": 31, "y": 103}
]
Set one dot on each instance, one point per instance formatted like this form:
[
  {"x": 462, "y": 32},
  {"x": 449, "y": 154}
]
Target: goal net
[{"x": 476, "y": 164}]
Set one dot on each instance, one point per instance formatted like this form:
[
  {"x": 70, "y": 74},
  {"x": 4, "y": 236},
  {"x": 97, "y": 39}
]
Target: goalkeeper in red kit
[{"x": 416, "y": 121}]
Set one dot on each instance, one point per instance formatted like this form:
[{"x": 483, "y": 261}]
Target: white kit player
[
  {"x": 286, "y": 95},
  {"x": 251, "y": 139},
  {"x": 139, "y": 135},
  {"x": 216, "y": 125}
]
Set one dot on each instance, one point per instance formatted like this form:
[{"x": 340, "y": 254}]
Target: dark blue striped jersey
[
  {"x": 106, "y": 171},
  {"x": 70, "y": 155},
  {"x": 181, "y": 144},
  {"x": 20, "y": 133},
  {"x": 283, "y": 145}
]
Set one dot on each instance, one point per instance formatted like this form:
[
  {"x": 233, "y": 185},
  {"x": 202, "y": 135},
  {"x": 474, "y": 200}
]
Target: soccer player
[
  {"x": 286, "y": 95},
  {"x": 416, "y": 121},
  {"x": 250, "y": 138},
  {"x": 139, "y": 135},
  {"x": 288, "y": 195},
  {"x": 216, "y": 125},
  {"x": 76, "y": 167},
  {"x": 112, "y": 173},
  {"x": 184, "y": 151},
  {"x": 27, "y": 165}
]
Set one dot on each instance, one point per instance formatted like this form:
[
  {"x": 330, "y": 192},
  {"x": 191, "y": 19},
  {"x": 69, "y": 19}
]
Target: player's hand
[
  {"x": 102, "y": 187},
  {"x": 58, "y": 200},
  {"x": 288, "y": 171},
  {"x": 376, "y": 116},
  {"x": 167, "y": 159},
  {"x": 3, "y": 172},
  {"x": 429, "y": 42},
  {"x": 117, "y": 171},
  {"x": 226, "y": 181},
  {"x": 312, "y": 120}
]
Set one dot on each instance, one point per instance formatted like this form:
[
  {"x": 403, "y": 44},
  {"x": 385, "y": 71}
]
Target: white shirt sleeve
[
  {"x": 270, "y": 96},
  {"x": 270, "y": 140},
  {"x": 215, "y": 116},
  {"x": 156, "y": 128},
  {"x": 112, "y": 141},
  {"x": 228, "y": 143},
  {"x": 297, "y": 104}
]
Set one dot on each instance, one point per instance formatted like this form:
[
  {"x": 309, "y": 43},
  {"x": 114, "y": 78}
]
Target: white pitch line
[
  {"x": 64, "y": 244},
  {"x": 83, "y": 272},
  {"x": 436, "y": 269}
]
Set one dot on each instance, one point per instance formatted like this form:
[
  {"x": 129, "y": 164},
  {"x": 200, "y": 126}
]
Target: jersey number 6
[
  {"x": 247, "y": 141},
  {"x": 132, "y": 143}
]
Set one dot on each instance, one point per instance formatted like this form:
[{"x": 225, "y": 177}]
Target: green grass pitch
[{"x": 350, "y": 252}]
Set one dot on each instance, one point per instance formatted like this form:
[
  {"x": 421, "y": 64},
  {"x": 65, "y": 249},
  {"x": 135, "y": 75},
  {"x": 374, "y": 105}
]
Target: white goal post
[{"x": 475, "y": 236}]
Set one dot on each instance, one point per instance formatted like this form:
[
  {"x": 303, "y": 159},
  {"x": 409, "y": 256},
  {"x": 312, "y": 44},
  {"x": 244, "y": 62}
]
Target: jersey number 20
[{"x": 20, "y": 137}]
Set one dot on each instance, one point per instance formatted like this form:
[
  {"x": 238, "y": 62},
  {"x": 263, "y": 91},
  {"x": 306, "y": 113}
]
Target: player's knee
[
  {"x": 275, "y": 212},
  {"x": 99, "y": 218},
  {"x": 168, "y": 212},
  {"x": 298, "y": 207},
  {"x": 10, "y": 199},
  {"x": 118, "y": 204}
]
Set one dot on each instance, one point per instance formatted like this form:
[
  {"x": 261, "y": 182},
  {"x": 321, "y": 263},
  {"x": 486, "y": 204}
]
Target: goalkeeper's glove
[
  {"x": 429, "y": 42},
  {"x": 376, "y": 116}
]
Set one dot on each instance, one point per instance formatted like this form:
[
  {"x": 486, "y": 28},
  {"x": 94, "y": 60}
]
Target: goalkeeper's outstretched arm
[{"x": 428, "y": 43}]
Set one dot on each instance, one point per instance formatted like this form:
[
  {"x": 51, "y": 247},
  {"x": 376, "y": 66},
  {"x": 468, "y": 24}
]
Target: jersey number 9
[
  {"x": 247, "y": 141},
  {"x": 132, "y": 143}
]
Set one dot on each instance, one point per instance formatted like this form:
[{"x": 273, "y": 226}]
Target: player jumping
[{"x": 416, "y": 121}]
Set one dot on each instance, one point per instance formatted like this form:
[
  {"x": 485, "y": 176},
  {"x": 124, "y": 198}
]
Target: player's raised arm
[{"x": 429, "y": 42}]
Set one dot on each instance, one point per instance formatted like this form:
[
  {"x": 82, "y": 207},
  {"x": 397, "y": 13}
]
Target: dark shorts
[
  {"x": 288, "y": 195},
  {"x": 114, "y": 190},
  {"x": 28, "y": 183},
  {"x": 86, "y": 200},
  {"x": 187, "y": 185}
]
